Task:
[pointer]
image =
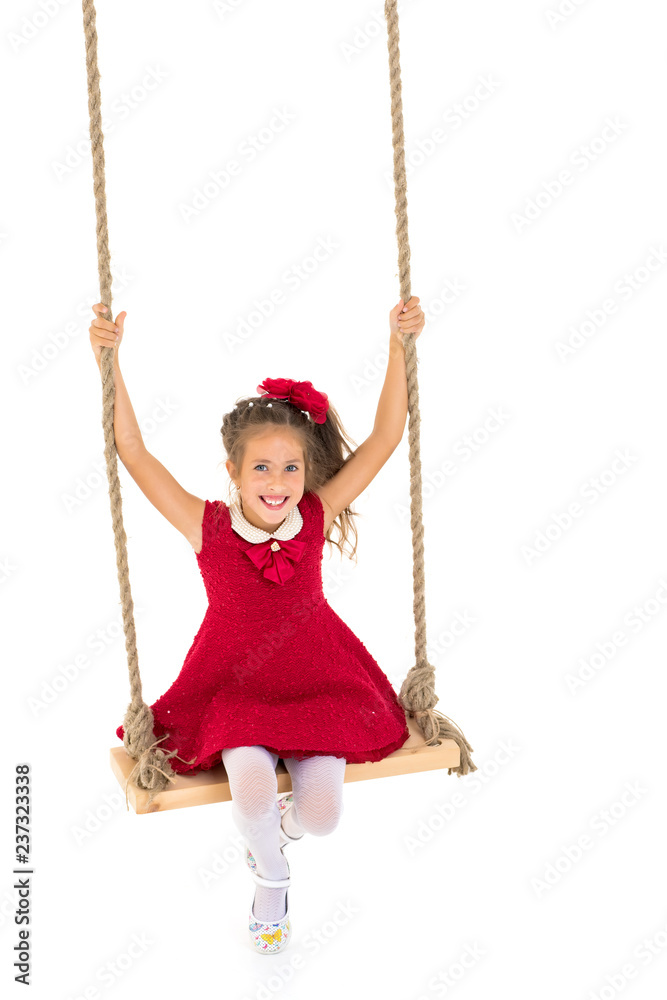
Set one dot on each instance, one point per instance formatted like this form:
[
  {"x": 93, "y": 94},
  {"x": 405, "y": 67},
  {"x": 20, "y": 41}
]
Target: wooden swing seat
[{"x": 213, "y": 786}]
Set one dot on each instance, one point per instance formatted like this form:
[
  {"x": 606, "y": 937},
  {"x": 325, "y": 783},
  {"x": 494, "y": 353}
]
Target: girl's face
[{"x": 273, "y": 469}]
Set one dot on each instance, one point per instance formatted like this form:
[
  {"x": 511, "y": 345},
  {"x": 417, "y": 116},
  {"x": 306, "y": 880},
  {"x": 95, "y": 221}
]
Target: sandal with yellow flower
[{"x": 269, "y": 937}]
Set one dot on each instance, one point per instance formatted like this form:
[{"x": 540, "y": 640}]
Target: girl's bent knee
[
  {"x": 320, "y": 824},
  {"x": 322, "y": 829}
]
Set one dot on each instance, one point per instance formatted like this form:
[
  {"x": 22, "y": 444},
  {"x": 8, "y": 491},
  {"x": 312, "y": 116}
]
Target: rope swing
[
  {"x": 417, "y": 694},
  {"x": 152, "y": 771}
]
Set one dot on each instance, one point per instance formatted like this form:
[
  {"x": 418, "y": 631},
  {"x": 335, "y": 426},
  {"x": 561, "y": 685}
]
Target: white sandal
[{"x": 269, "y": 937}]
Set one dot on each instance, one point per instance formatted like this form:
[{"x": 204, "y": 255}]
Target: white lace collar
[{"x": 290, "y": 527}]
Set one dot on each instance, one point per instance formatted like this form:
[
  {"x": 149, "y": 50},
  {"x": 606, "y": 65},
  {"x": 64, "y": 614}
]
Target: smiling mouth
[{"x": 274, "y": 506}]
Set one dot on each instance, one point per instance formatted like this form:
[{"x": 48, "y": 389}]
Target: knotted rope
[
  {"x": 138, "y": 736},
  {"x": 417, "y": 694}
]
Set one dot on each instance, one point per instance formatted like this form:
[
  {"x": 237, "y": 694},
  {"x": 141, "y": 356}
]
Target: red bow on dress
[{"x": 277, "y": 564}]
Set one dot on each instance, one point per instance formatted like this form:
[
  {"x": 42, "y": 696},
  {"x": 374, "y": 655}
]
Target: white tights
[{"x": 317, "y": 784}]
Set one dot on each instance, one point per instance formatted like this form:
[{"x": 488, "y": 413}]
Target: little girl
[{"x": 273, "y": 672}]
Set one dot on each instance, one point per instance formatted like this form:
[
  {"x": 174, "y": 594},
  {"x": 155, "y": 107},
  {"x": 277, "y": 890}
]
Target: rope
[
  {"x": 417, "y": 694},
  {"x": 138, "y": 736}
]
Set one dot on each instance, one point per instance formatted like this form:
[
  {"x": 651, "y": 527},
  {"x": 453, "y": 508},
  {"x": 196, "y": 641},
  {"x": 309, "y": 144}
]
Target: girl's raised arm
[
  {"x": 182, "y": 509},
  {"x": 363, "y": 465}
]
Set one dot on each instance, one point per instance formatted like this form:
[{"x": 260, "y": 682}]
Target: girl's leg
[
  {"x": 254, "y": 787},
  {"x": 317, "y": 783}
]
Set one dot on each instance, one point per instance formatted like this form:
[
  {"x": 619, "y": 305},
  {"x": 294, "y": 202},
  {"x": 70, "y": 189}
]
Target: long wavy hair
[{"x": 324, "y": 448}]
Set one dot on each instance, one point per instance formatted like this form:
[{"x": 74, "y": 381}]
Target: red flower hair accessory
[{"x": 300, "y": 394}]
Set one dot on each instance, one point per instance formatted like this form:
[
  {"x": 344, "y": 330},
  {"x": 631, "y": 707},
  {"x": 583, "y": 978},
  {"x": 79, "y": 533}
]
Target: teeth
[{"x": 273, "y": 503}]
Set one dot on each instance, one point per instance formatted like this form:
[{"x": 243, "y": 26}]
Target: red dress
[{"x": 272, "y": 663}]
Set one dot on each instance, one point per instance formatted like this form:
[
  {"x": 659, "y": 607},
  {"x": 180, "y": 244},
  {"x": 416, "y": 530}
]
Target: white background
[{"x": 493, "y": 880}]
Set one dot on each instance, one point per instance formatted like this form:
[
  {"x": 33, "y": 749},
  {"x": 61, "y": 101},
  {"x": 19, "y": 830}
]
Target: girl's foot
[{"x": 268, "y": 936}]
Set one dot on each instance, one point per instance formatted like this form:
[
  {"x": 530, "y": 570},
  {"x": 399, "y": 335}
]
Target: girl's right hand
[{"x": 103, "y": 332}]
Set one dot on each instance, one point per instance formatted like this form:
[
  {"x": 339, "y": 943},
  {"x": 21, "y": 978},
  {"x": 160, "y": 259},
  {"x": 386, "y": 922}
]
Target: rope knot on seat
[
  {"x": 137, "y": 736},
  {"x": 418, "y": 698}
]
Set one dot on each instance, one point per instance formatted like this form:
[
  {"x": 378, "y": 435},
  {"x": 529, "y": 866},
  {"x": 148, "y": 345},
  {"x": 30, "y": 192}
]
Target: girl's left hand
[{"x": 410, "y": 321}]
